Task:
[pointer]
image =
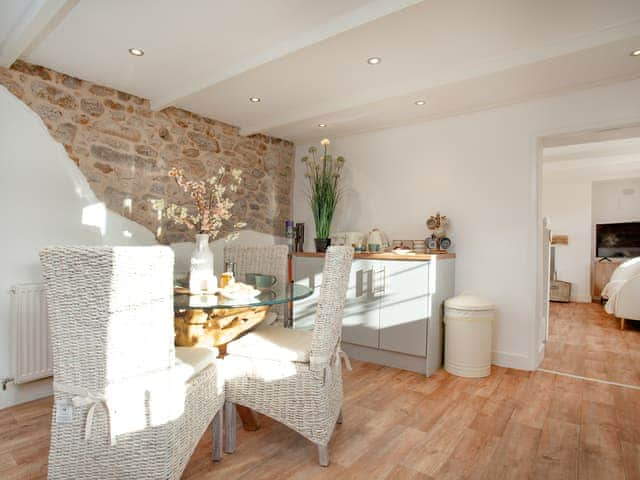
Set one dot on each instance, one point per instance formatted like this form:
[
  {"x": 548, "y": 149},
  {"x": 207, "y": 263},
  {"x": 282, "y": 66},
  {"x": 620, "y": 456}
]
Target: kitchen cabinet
[
  {"x": 361, "y": 318},
  {"x": 393, "y": 308},
  {"x": 404, "y": 311}
]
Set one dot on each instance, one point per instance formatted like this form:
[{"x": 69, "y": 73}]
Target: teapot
[{"x": 378, "y": 237}]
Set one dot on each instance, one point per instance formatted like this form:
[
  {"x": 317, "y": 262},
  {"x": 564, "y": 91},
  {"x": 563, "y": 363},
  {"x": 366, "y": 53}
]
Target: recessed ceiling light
[
  {"x": 374, "y": 60},
  {"x": 136, "y": 52},
  {"x": 635, "y": 53},
  {"x": 322, "y": 125},
  {"x": 420, "y": 102},
  {"x": 254, "y": 99}
]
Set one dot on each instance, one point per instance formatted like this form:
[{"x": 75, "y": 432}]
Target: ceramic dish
[
  {"x": 240, "y": 291},
  {"x": 402, "y": 251}
]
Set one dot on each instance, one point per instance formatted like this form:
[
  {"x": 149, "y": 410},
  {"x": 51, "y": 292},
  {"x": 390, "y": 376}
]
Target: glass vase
[{"x": 201, "y": 277}]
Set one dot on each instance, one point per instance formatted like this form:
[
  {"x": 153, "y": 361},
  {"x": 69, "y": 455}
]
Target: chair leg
[
  {"x": 622, "y": 324},
  {"x": 230, "y": 427},
  {"x": 339, "y": 421},
  {"x": 323, "y": 455},
  {"x": 216, "y": 436}
]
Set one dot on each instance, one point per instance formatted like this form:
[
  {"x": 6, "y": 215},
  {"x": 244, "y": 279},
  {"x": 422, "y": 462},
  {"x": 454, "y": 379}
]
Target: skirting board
[
  {"x": 419, "y": 364},
  {"x": 512, "y": 360},
  {"x": 25, "y": 392},
  {"x": 581, "y": 298},
  {"x": 387, "y": 358}
]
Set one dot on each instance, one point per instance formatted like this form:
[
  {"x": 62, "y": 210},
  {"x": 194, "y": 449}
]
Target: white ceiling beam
[
  {"x": 417, "y": 86},
  {"x": 347, "y": 21},
  {"x": 37, "y": 20}
]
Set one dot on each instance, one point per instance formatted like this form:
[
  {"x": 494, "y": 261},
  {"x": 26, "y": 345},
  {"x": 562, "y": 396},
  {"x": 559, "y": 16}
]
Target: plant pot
[{"x": 322, "y": 244}]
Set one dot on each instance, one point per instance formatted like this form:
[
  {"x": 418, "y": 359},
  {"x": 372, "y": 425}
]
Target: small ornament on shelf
[{"x": 438, "y": 239}]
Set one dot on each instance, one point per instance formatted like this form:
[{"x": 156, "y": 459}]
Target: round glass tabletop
[{"x": 268, "y": 296}]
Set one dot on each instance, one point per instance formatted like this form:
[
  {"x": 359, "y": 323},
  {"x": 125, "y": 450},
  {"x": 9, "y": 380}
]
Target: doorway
[{"x": 590, "y": 184}]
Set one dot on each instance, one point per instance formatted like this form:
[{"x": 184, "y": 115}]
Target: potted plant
[
  {"x": 213, "y": 209},
  {"x": 323, "y": 174}
]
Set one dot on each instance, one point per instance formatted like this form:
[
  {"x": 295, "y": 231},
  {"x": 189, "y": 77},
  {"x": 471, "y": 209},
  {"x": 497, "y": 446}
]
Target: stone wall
[{"x": 125, "y": 150}]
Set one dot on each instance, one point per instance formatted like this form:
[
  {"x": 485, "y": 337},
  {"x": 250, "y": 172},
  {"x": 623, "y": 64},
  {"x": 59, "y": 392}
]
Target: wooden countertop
[{"x": 424, "y": 257}]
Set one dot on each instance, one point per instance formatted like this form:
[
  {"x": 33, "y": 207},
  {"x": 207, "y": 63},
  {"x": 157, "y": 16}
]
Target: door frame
[{"x": 596, "y": 131}]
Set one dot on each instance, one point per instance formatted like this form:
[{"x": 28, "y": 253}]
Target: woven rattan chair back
[
  {"x": 327, "y": 329},
  {"x": 97, "y": 295},
  {"x": 264, "y": 259}
]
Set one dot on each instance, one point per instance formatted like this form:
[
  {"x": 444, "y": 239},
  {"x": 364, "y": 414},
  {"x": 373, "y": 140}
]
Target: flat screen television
[{"x": 618, "y": 239}]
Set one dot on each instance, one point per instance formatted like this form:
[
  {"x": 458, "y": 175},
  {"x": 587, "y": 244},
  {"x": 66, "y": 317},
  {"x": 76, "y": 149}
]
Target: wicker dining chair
[
  {"x": 127, "y": 403},
  {"x": 294, "y": 376},
  {"x": 264, "y": 259}
]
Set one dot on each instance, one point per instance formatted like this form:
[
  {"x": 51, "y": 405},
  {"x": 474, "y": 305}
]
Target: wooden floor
[
  {"x": 397, "y": 424},
  {"x": 584, "y": 340}
]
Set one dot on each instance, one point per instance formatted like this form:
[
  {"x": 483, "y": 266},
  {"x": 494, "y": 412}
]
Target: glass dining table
[
  {"x": 274, "y": 295},
  {"x": 213, "y": 320}
]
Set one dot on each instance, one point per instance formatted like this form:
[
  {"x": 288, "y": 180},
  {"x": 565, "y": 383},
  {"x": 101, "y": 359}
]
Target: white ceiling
[
  {"x": 12, "y": 11},
  {"x": 306, "y": 59},
  {"x": 593, "y": 161}
]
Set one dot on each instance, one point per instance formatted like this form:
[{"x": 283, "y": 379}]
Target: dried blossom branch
[{"x": 209, "y": 197}]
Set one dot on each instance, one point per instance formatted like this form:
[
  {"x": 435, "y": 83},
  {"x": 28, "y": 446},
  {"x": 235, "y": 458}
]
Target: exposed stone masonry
[{"x": 125, "y": 150}]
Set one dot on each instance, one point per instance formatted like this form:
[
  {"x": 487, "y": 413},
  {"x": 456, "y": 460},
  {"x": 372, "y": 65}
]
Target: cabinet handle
[
  {"x": 381, "y": 288},
  {"x": 363, "y": 276},
  {"x": 359, "y": 283}
]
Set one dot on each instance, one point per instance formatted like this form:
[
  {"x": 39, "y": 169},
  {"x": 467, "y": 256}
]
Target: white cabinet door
[
  {"x": 361, "y": 319},
  {"x": 308, "y": 272},
  {"x": 405, "y": 306}
]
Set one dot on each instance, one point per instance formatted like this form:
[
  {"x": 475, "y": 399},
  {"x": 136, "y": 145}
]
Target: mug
[{"x": 261, "y": 280}]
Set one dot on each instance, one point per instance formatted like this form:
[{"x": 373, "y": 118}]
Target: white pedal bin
[{"x": 468, "y": 335}]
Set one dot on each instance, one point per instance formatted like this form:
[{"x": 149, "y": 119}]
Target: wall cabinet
[{"x": 393, "y": 309}]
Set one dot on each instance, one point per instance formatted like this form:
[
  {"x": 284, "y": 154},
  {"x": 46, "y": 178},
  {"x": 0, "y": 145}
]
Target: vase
[
  {"x": 322, "y": 244},
  {"x": 201, "y": 277}
]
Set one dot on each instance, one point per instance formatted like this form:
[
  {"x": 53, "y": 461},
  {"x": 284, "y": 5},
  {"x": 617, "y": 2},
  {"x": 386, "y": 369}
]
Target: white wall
[
  {"x": 481, "y": 170},
  {"x": 43, "y": 197},
  {"x": 612, "y": 205},
  {"x": 568, "y": 206},
  {"x": 45, "y": 200}
]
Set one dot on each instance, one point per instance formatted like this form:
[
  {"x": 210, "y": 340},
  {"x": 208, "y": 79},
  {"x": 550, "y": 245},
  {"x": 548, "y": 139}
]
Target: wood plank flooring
[
  {"x": 398, "y": 424},
  {"x": 584, "y": 340}
]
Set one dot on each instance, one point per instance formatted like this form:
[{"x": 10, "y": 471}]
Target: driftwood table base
[
  {"x": 197, "y": 328},
  {"x": 249, "y": 418}
]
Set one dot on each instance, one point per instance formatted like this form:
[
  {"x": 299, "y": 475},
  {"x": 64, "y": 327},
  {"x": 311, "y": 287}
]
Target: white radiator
[{"x": 29, "y": 330}]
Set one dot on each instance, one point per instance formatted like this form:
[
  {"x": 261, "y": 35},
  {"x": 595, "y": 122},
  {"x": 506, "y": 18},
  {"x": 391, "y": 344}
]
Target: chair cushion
[
  {"x": 274, "y": 343},
  {"x": 195, "y": 359}
]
